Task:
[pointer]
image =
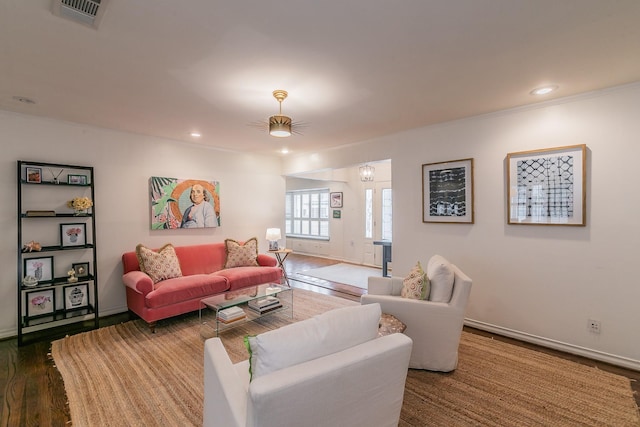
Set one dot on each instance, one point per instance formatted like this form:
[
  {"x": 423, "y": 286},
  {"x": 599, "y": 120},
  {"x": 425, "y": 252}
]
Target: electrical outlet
[{"x": 594, "y": 326}]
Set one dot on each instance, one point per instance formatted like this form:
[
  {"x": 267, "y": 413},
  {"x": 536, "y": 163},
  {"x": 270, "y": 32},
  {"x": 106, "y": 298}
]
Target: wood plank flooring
[{"x": 33, "y": 391}]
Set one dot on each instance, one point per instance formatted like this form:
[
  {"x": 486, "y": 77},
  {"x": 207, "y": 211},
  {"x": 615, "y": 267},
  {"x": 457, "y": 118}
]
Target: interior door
[{"x": 378, "y": 220}]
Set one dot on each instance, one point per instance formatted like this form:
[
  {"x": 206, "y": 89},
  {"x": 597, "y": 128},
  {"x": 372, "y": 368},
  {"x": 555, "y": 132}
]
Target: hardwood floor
[{"x": 33, "y": 391}]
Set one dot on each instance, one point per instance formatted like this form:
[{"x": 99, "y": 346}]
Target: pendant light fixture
[
  {"x": 279, "y": 124},
  {"x": 366, "y": 173}
]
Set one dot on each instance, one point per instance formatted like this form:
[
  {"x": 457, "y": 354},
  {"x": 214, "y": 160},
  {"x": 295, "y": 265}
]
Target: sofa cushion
[
  {"x": 241, "y": 255},
  {"x": 416, "y": 284},
  {"x": 441, "y": 277},
  {"x": 160, "y": 265},
  {"x": 172, "y": 291},
  {"x": 309, "y": 339},
  {"x": 241, "y": 277}
]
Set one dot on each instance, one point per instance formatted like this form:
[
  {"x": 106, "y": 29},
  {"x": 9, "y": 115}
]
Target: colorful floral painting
[
  {"x": 40, "y": 302},
  {"x": 184, "y": 203}
]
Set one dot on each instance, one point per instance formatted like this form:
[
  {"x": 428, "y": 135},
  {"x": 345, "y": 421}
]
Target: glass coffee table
[{"x": 237, "y": 307}]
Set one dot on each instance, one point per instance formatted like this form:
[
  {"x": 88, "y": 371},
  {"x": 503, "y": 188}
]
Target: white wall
[
  {"x": 251, "y": 194},
  {"x": 538, "y": 283}
]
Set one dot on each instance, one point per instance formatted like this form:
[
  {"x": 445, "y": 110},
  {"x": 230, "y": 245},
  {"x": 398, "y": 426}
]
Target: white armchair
[
  {"x": 355, "y": 380},
  {"x": 434, "y": 327}
]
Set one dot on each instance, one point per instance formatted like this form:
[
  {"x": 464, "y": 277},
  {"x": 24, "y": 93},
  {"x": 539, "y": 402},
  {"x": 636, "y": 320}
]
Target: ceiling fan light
[{"x": 280, "y": 126}]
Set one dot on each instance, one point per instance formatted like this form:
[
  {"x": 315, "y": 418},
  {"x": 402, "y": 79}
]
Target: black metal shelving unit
[{"x": 34, "y": 195}]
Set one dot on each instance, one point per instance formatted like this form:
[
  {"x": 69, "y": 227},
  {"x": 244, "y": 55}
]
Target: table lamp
[{"x": 273, "y": 235}]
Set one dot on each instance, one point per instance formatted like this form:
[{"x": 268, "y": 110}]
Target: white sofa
[
  {"x": 434, "y": 327},
  {"x": 359, "y": 385}
]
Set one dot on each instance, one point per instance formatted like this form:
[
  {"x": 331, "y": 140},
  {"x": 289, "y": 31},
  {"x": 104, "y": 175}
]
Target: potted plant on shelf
[{"x": 80, "y": 205}]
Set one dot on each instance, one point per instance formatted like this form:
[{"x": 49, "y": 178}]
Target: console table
[{"x": 386, "y": 254}]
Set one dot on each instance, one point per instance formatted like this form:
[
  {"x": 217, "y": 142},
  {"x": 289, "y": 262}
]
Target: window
[
  {"x": 368, "y": 213},
  {"x": 386, "y": 214},
  {"x": 307, "y": 213}
]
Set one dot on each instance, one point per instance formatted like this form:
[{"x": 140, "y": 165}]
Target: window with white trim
[{"x": 307, "y": 213}]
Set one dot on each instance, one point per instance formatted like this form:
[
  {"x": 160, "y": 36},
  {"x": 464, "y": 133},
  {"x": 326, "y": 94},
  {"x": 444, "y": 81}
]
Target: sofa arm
[
  {"x": 266, "y": 261},
  {"x": 384, "y": 285},
  {"x": 138, "y": 281},
  {"x": 225, "y": 394}
]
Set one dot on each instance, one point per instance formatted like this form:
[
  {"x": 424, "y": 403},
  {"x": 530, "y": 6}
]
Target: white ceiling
[{"x": 354, "y": 69}]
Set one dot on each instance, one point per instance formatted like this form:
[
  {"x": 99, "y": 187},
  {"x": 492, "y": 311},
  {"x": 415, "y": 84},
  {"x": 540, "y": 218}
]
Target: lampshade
[
  {"x": 280, "y": 126},
  {"x": 273, "y": 234},
  {"x": 366, "y": 173}
]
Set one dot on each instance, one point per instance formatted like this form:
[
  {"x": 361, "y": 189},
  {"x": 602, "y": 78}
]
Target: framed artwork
[
  {"x": 81, "y": 269},
  {"x": 76, "y": 297},
  {"x": 77, "y": 179},
  {"x": 34, "y": 175},
  {"x": 335, "y": 200},
  {"x": 41, "y": 268},
  {"x": 73, "y": 235},
  {"x": 547, "y": 187},
  {"x": 41, "y": 302},
  {"x": 337, "y": 214},
  {"x": 447, "y": 192},
  {"x": 184, "y": 203}
]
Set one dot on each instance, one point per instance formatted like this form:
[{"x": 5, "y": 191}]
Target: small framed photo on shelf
[
  {"x": 81, "y": 269},
  {"x": 41, "y": 268},
  {"x": 447, "y": 191},
  {"x": 76, "y": 297},
  {"x": 77, "y": 179},
  {"x": 73, "y": 235},
  {"x": 335, "y": 199},
  {"x": 547, "y": 186},
  {"x": 34, "y": 175},
  {"x": 40, "y": 302}
]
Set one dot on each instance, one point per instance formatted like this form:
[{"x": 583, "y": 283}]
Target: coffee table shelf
[{"x": 241, "y": 298}]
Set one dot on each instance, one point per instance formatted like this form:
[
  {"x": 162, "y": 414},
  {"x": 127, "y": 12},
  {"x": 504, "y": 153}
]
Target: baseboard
[{"x": 612, "y": 359}]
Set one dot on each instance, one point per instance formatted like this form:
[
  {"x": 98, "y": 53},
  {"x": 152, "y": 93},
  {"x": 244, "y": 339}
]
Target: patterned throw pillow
[
  {"x": 416, "y": 284},
  {"x": 160, "y": 265},
  {"x": 242, "y": 255}
]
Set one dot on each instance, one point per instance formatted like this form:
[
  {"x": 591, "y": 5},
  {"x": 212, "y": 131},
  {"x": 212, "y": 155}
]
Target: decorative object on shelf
[
  {"x": 80, "y": 205},
  {"x": 30, "y": 281},
  {"x": 272, "y": 236},
  {"x": 55, "y": 177},
  {"x": 366, "y": 173},
  {"x": 81, "y": 269},
  {"x": 73, "y": 235},
  {"x": 40, "y": 268},
  {"x": 76, "y": 297},
  {"x": 72, "y": 276},
  {"x": 40, "y": 302},
  {"x": 184, "y": 203},
  {"x": 548, "y": 186},
  {"x": 32, "y": 246},
  {"x": 76, "y": 179},
  {"x": 34, "y": 175},
  {"x": 32, "y": 213},
  {"x": 335, "y": 200},
  {"x": 447, "y": 192}
]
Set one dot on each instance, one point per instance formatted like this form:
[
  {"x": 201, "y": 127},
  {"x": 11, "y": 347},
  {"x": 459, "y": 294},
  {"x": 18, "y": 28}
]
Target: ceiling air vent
[{"x": 86, "y": 12}]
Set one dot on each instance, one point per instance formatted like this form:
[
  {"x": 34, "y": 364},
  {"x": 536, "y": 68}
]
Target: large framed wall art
[
  {"x": 547, "y": 187},
  {"x": 184, "y": 203},
  {"x": 447, "y": 192}
]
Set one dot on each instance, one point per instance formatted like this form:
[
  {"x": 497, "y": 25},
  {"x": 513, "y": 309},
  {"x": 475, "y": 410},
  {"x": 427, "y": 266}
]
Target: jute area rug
[{"x": 123, "y": 375}]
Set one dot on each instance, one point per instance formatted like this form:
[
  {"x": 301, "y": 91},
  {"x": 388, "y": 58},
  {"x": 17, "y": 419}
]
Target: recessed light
[
  {"x": 195, "y": 134},
  {"x": 24, "y": 99},
  {"x": 544, "y": 90}
]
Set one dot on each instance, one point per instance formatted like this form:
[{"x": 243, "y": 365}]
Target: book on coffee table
[{"x": 231, "y": 314}]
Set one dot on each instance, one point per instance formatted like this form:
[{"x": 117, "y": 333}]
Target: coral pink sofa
[{"x": 203, "y": 275}]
